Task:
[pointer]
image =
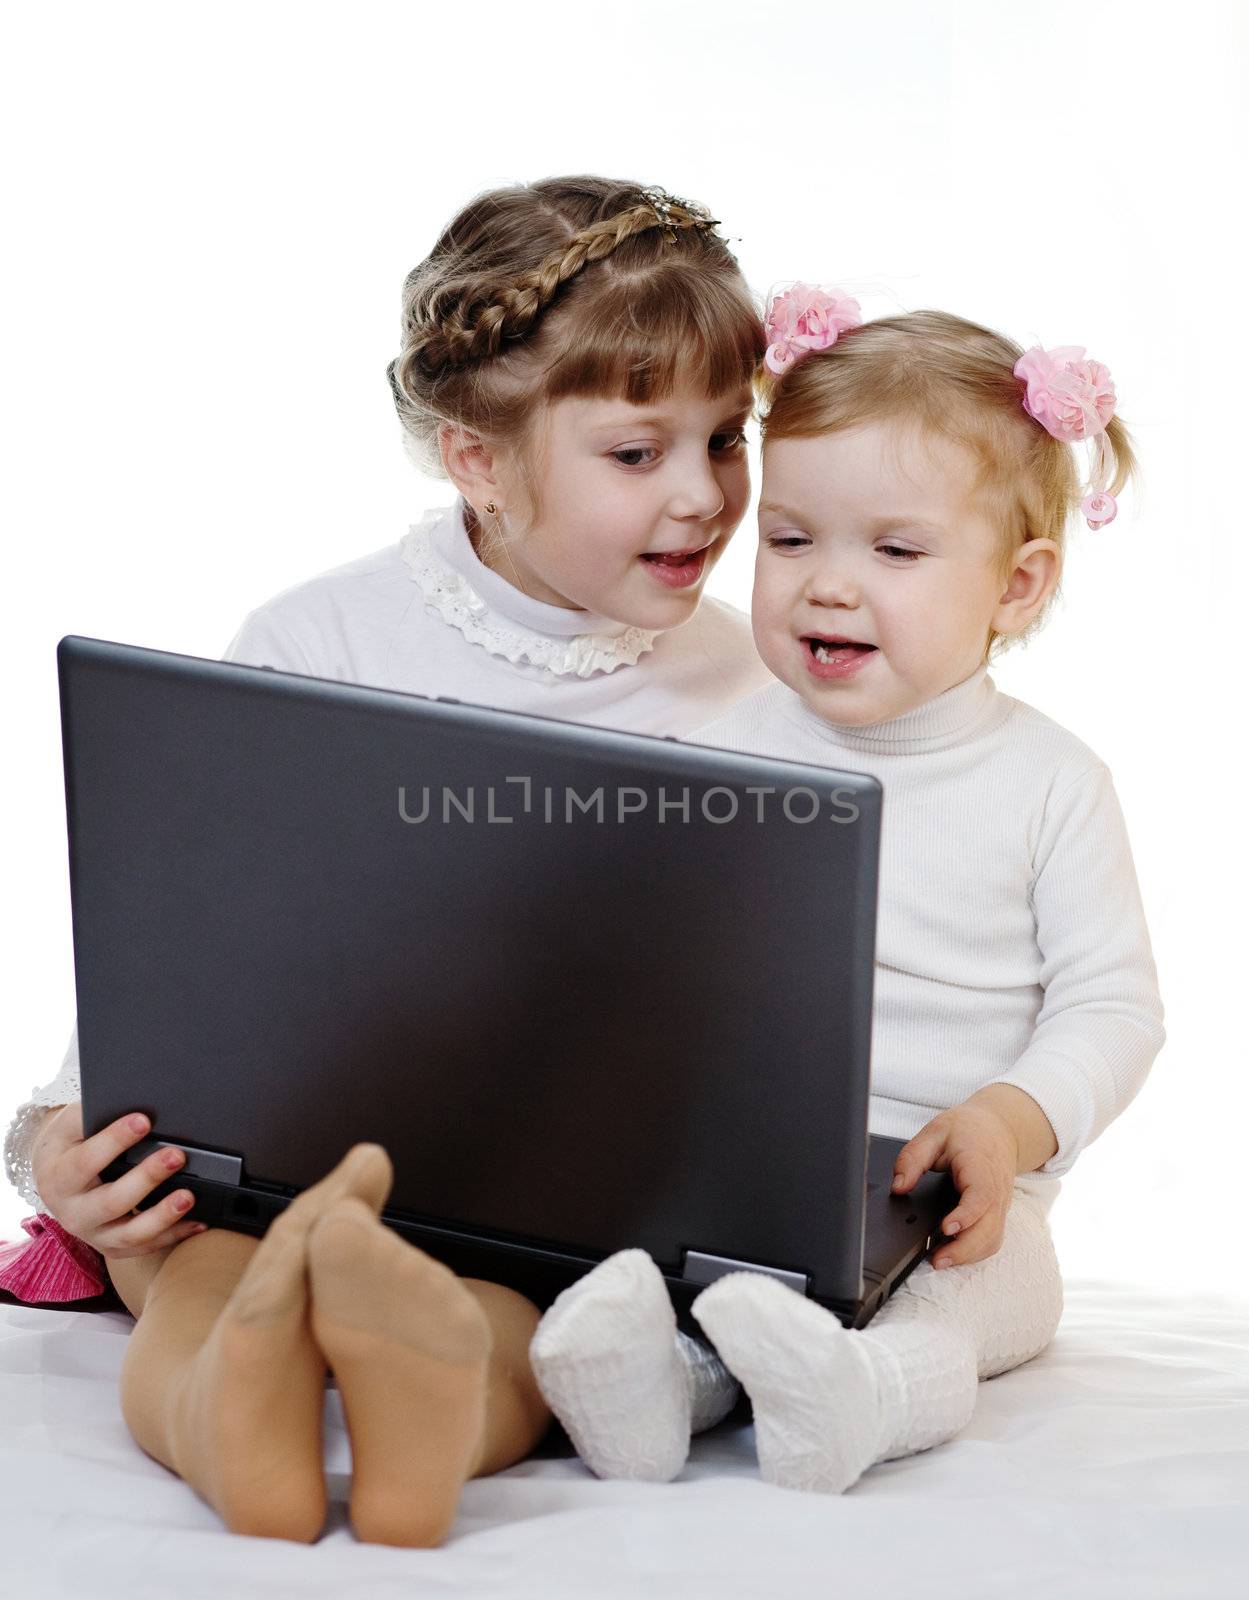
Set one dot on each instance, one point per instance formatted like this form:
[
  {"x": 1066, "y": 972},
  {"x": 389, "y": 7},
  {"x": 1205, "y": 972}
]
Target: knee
[
  {"x": 513, "y": 1318},
  {"x": 1031, "y": 1240},
  {"x": 204, "y": 1269},
  {"x": 1030, "y": 1299}
]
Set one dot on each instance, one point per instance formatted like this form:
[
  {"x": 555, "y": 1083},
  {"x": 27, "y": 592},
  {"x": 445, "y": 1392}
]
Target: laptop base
[{"x": 900, "y": 1230}]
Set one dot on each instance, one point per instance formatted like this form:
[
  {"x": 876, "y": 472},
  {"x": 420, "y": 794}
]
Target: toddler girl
[
  {"x": 919, "y": 474},
  {"x": 577, "y": 357}
]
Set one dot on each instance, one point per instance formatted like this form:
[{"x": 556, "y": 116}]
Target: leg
[
  {"x": 133, "y": 1277},
  {"x": 626, "y": 1385},
  {"x": 433, "y": 1371},
  {"x": 517, "y": 1416},
  {"x": 829, "y": 1403},
  {"x": 221, "y": 1381}
]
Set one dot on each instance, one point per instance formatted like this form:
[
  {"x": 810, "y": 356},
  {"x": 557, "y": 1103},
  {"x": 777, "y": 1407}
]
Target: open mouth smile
[
  {"x": 677, "y": 569},
  {"x": 834, "y": 655}
]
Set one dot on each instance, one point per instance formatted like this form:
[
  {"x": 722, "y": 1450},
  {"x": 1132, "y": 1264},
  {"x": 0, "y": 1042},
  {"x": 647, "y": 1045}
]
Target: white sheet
[{"x": 1116, "y": 1464}]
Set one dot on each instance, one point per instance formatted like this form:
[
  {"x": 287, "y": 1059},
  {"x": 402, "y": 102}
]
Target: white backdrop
[{"x": 211, "y": 211}]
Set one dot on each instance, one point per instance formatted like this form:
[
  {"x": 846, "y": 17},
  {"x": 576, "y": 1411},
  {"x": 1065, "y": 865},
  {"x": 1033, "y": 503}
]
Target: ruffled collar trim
[{"x": 491, "y": 613}]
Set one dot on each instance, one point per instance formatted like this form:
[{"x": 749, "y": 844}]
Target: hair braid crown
[{"x": 514, "y": 311}]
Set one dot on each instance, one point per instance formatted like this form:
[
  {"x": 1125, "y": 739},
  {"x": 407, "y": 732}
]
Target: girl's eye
[
  {"x": 897, "y": 550},
  {"x": 730, "y": 439},
  {"x": 787, "y": 541},
  {"x": 635, "y": 456}
]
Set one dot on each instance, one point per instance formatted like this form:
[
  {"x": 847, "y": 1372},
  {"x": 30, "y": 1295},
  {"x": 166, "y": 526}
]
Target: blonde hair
[
  {"x": 569, "y": 286},
  {"x": 951, "y": 379}
]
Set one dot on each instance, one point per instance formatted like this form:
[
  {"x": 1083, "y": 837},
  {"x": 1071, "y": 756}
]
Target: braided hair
[{"x": 578, "y": 285}]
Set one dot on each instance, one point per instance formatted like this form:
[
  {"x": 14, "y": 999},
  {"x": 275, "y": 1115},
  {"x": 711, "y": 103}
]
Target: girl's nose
[
  {"x": 832, "y": 584},
  {"x": 698, "y": 496}
]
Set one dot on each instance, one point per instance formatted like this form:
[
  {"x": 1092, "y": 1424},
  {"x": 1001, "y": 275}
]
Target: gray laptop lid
[{"x": 591, "y": 989}]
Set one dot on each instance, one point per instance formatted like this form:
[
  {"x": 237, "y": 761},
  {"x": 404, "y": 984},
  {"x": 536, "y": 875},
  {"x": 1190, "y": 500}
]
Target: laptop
[{"x": 590, "y": 989}]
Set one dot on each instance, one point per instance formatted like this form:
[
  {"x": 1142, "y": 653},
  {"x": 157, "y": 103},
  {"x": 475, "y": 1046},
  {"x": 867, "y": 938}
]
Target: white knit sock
[
  {"x": 817, "y": 1420},
  {"x": 829, "y": 1403},
  {"x": 628, "y": 1388}
]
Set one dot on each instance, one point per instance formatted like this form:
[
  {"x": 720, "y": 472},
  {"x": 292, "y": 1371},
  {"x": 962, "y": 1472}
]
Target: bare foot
[
  {"x": 246, "y": 1420},
  {"x": 409, "y": 1346}
]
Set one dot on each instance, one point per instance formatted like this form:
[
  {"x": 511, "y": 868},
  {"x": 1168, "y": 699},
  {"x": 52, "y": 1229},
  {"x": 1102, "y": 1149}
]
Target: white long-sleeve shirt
[
  {"x": 1011, "y": 944},
  {"x": 427, "y": 617}
]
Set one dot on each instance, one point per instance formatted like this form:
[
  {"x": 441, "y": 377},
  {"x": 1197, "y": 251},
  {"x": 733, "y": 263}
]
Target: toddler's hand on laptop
[
  {"x": 981, "y": 1151},
  {"x": 67, "y": 1171}
]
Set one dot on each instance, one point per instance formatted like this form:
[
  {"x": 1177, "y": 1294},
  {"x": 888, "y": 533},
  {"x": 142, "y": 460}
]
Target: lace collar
[{"x": 490, "y": 612}]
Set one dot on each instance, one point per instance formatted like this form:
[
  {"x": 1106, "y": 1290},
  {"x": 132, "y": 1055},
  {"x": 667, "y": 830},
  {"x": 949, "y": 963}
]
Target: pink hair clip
[
  {"x": 803, "y": 319},
  {"x": 1074, "y": 399}
]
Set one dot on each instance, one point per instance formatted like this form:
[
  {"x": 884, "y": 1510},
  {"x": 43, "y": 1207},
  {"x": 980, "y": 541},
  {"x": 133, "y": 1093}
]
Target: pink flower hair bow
[
  {"x": 803, "y": 319},
  {"x": 1074, "y": 399}
]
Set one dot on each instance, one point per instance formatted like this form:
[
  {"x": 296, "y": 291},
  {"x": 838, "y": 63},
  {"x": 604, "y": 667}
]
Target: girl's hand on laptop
[
  {"x": 67, "y": 1171},
  {"x": 980, "y": 1148}
]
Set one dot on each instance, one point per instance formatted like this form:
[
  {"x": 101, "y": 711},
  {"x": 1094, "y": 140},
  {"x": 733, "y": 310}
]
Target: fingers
[
  {"x": 918, "y": 1155},
  {"x": 109, "y": 1202},
  {"x": 147, "y": 1232},
  {"x": 136, "y": 1234},
  {"x": 103, "y": 1148},
  {"x": 105, "y": 1215},
  {"x": 977, "y": 1226}
]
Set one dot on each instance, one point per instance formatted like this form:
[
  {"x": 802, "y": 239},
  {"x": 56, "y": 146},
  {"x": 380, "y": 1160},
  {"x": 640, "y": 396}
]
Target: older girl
[{"x": 577, "y": 358}]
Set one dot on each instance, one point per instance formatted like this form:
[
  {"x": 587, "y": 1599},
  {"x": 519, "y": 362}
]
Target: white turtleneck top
[
  {"x": 1011, "y": 944},
  {"x": 426, "y": 616}
]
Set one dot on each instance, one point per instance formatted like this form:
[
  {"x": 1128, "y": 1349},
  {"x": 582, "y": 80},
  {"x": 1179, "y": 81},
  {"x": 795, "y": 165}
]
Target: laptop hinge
[
  {"x": 699, "y": 1267},
  {"x": 208, "y": 1164}
]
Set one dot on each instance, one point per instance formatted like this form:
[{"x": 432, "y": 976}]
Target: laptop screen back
[{"x": 590, "y": 989}]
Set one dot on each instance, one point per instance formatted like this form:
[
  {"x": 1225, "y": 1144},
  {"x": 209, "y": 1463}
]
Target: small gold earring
[{"x": 490, "y": 508}]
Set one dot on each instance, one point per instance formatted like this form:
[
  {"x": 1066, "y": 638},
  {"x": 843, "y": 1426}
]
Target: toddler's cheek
[
  {"x": 773, "y": 636},
  {"x": 777, "y": 652}
]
